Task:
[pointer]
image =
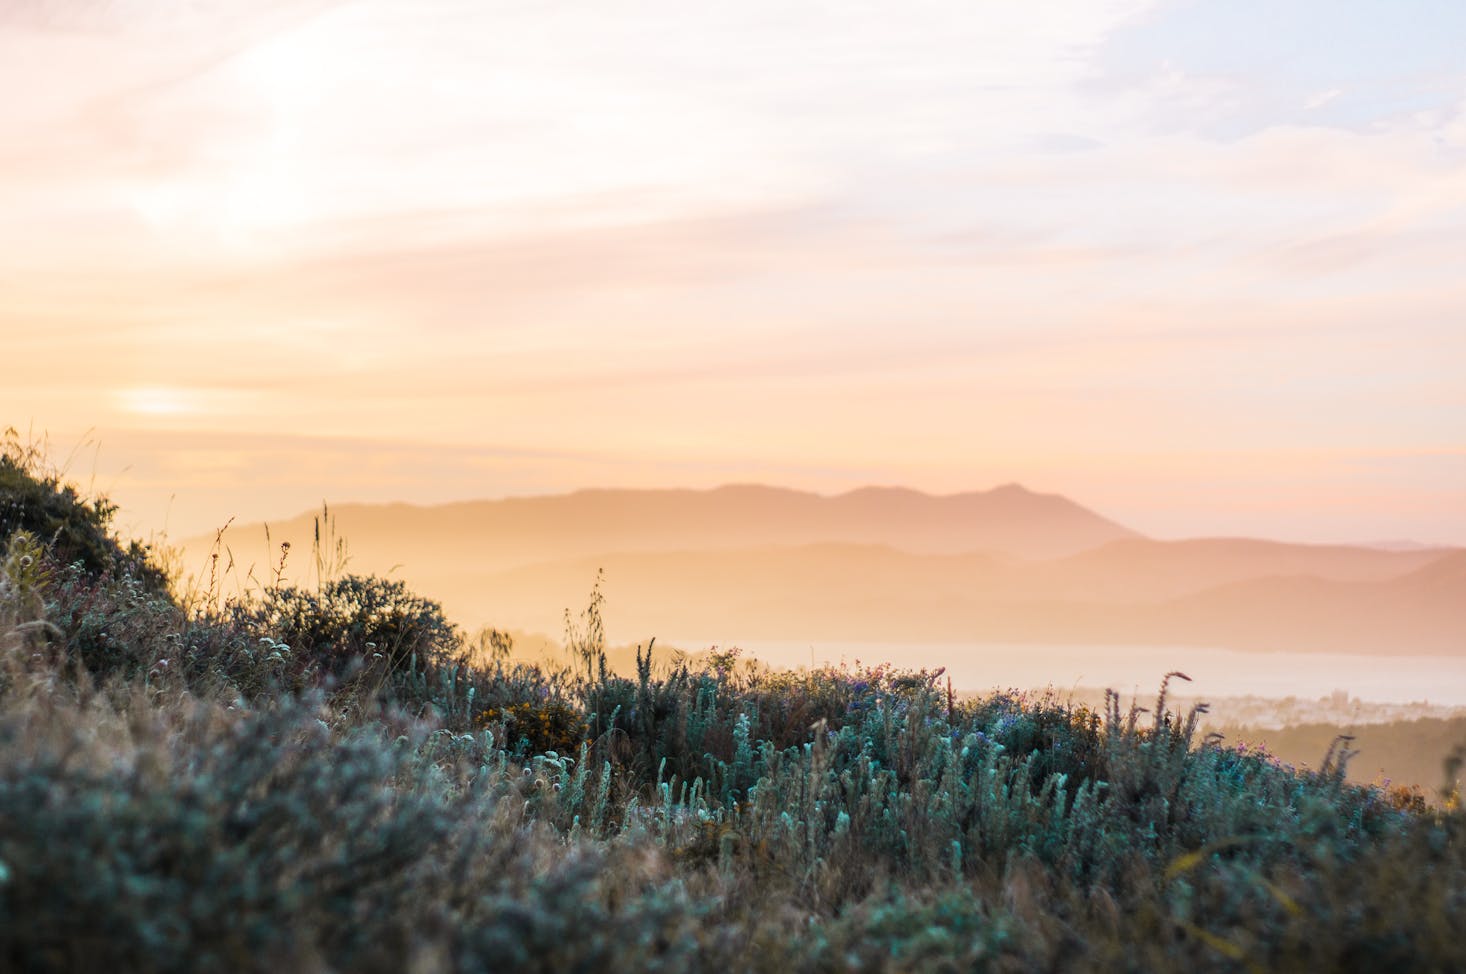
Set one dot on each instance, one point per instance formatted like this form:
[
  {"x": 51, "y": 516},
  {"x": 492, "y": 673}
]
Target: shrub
[
  {"x": 354, "y": 618},
  {"x": 74, "y": 529},
  {"x": 113, "y": 624},
  {"x": 535, "y": 727}
]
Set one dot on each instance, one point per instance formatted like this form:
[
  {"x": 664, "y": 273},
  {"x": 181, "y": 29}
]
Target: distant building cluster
[{"x": 1337, "y": 707}]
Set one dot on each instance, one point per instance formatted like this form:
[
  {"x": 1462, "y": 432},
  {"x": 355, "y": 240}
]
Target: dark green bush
[
  {"x": 355, "y": 619},
  {"x": 73, "y": 528},
  {"x": 113, "y": 624},
  {"x": 198, "y": 838}
]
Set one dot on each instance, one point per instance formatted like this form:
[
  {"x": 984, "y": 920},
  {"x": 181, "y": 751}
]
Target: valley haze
[{"x": 884, "y": 567}]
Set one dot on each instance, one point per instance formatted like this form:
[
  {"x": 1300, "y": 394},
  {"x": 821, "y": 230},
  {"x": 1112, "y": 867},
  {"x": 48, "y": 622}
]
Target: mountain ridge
[
  {"x": 891, "y": 563},
  {"x": 512, "y": 530}
]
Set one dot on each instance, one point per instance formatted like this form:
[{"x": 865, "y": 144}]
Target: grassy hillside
[{"x": 325, "y": 778}]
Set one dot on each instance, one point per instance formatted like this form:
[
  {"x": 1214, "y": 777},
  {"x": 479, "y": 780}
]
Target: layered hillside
[{"x": 890, "y": 565}]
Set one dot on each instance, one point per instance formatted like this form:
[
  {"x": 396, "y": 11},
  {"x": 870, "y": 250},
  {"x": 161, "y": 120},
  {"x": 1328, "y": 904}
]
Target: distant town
[{"x": 1269, "y": 713}]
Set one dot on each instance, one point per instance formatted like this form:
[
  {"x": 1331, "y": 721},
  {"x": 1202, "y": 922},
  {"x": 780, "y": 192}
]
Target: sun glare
[{"x": 156, "y": 401}]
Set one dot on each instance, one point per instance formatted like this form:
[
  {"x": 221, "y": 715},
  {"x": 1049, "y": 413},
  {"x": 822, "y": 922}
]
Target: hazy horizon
[{"x": 896, "y": 568}]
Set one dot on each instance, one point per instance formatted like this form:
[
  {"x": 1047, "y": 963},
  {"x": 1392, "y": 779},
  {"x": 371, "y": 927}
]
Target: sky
[{"x": 1197, "y": 265}]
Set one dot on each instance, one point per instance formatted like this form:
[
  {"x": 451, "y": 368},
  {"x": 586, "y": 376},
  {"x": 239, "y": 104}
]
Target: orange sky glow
[{"x": 1196, "y": 266}]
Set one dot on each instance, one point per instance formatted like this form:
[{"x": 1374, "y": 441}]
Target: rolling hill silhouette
[
  {"x": 518, "y": 530},
  {"x": 889, "y": 565}
]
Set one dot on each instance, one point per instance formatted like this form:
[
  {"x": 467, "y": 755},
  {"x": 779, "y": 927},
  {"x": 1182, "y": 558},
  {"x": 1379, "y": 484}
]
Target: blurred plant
[
  {"x": 354, "y": 619},
  {"x": 113, "y": 625},
  {"x": 329, "y": 552},
  {"x": 536, "y": 727},
  {"x": 585, "y": 639},
  {"x": 25, "y": 574}
]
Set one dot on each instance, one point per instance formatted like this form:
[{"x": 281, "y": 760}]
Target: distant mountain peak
[{"x": 883, "y": 490}]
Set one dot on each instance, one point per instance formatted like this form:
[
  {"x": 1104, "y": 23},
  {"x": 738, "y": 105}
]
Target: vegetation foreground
[{"x": 333, "y": 778}]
